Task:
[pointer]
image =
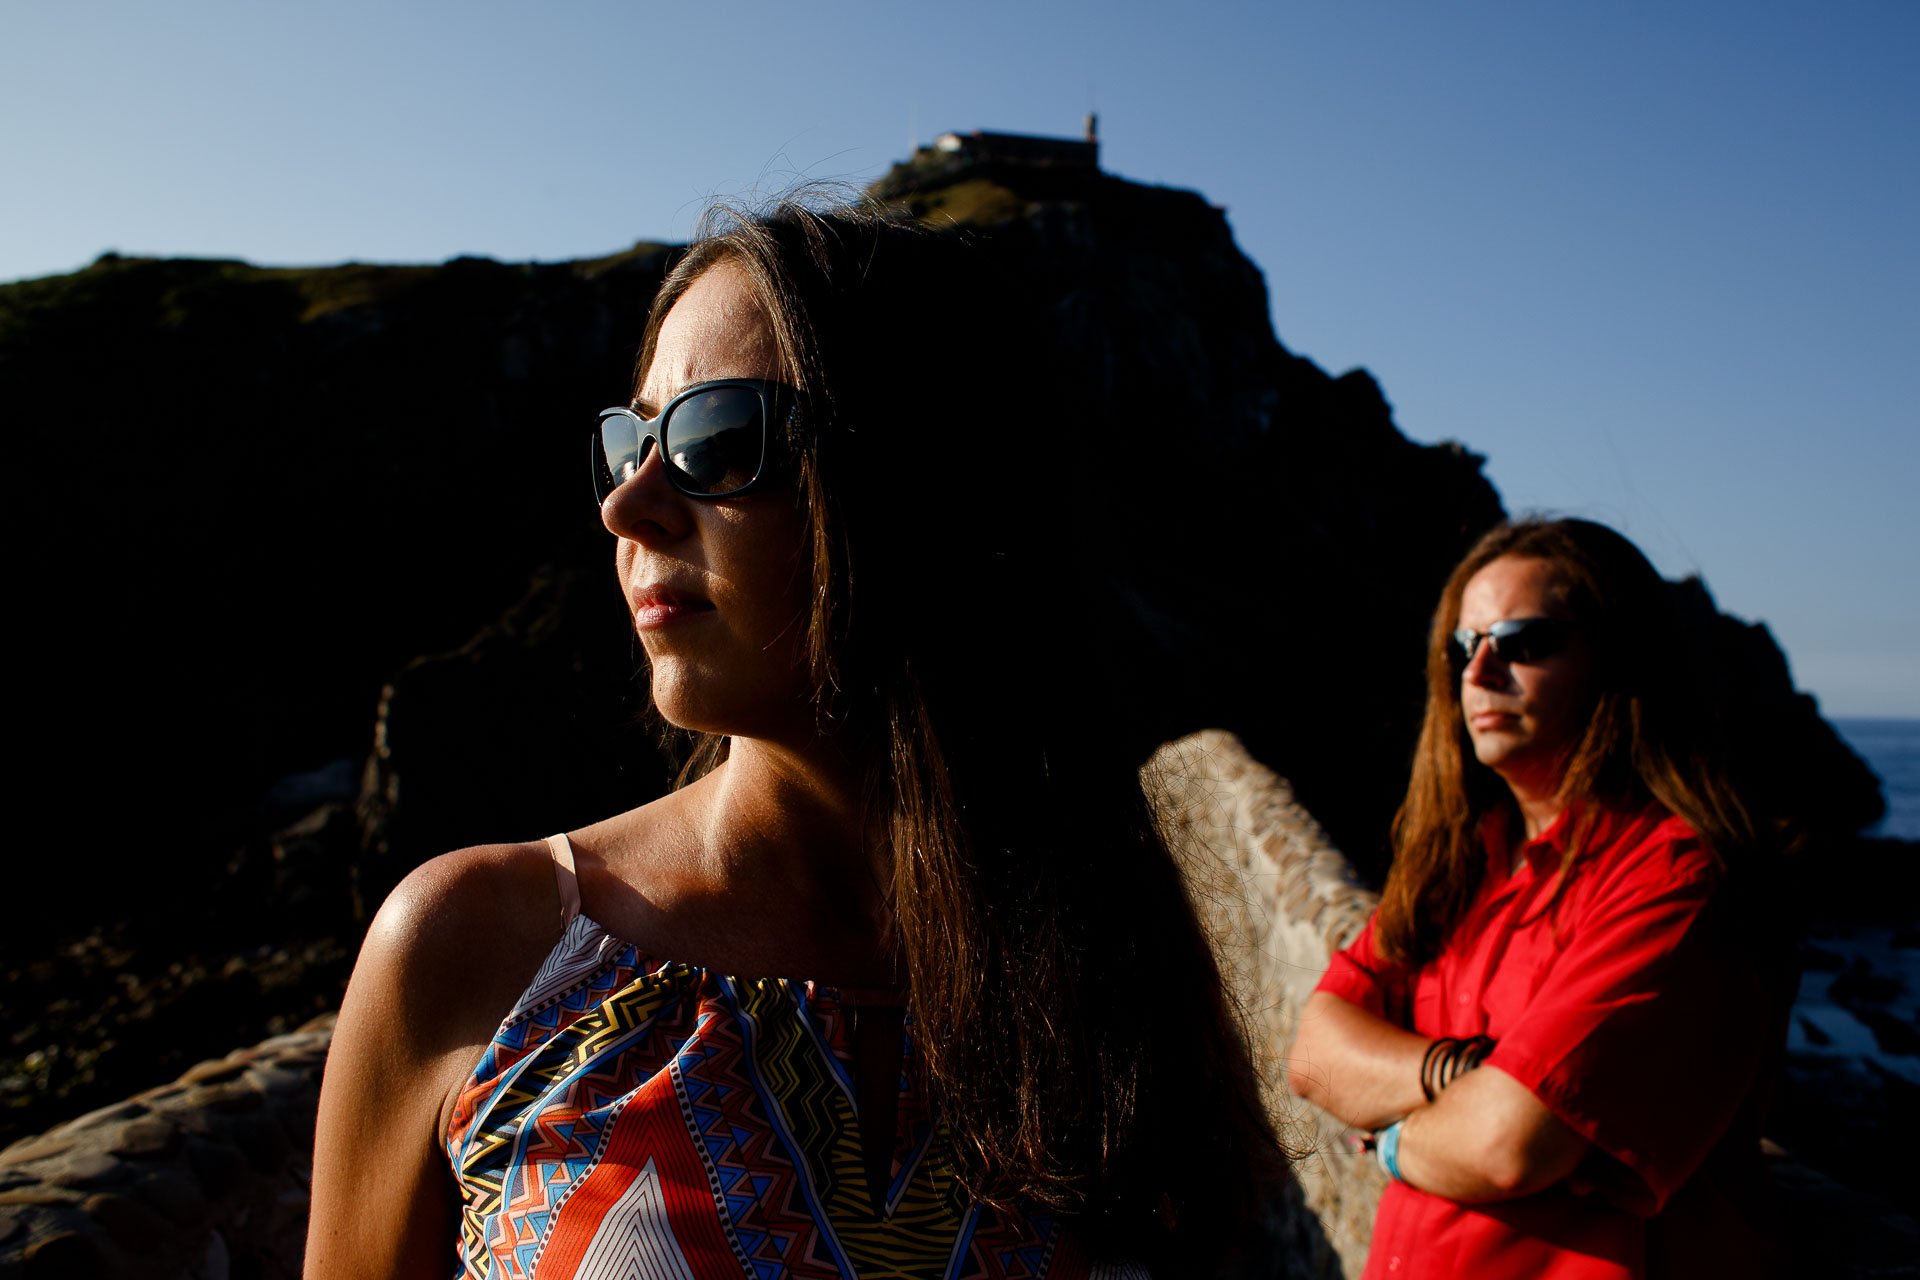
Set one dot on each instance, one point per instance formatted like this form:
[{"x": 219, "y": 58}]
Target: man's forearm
[
  {"x": 1486, "y": 1138},
  {"x": 1363, "y": 1069}
]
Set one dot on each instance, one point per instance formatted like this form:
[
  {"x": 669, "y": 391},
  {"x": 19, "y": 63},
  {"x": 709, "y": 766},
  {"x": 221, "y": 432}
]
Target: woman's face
[
  {"x": 1523, "y": 717},
  {"x": 717, "y": 588}
]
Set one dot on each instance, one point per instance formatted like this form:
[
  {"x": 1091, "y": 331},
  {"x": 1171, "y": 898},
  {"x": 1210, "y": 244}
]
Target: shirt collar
[{"x": 1502, "y": 823}]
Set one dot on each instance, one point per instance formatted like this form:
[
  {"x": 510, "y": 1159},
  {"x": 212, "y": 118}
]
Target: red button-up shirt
[{"x": 1619, "y": 1000}]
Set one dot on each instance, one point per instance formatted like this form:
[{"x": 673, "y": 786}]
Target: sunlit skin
[
  {"x": 718, "y": 591},
  {"x": 1523, "y": 717},
  {"x": 717, "y": 588},
  {"x": 762, "y": 867}
]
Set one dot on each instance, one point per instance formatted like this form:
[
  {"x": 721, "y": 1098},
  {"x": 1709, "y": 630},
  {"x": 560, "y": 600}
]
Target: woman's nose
[
  {"x": 1485, "y": 668},
  {"x": 645, "y": 507}
]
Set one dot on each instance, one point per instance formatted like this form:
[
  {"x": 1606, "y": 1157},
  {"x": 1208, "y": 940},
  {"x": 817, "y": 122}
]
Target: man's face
[{"x": 1523, "y": 717}]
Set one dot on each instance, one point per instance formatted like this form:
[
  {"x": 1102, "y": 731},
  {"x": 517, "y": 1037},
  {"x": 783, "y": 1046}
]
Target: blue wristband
[{"x": 1386, "y": 1146}]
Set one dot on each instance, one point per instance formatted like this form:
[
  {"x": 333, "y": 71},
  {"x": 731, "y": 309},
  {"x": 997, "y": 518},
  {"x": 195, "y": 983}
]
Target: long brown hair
[
  {"x": 1649, "y": 733},
  {"x": 1069, "y": 1008}
]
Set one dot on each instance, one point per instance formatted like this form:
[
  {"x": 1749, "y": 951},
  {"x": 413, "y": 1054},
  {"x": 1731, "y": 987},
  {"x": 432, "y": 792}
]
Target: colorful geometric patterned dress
[{"x": 634, "y": 1118}]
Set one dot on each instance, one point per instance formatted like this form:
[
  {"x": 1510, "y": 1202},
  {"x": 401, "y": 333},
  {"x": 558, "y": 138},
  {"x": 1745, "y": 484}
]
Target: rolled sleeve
[{"x": 1359, "y": 976}]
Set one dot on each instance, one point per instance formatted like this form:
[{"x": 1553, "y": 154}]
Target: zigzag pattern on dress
[
  {"x": 531, "y": 1024},
  {"x": 539, "y": 1113},
  {"x": 915, "y": 1122},
  {"x": 1000, "y": 1246},
  {"x": 755, "y": 1186},
  {"x": 635, "y": 1239},
  {"x": 658, "y": 1122},
  {"x": 583, "y": 948}
]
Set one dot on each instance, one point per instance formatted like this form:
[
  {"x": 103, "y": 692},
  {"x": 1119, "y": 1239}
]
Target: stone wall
[
  {"x": 207, "y": 1178},
  {"x": 1280, "y": 900}
]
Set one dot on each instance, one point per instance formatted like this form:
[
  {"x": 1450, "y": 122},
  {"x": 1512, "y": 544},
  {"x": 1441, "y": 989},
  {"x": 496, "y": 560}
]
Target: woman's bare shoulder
[
  {"x": 489, "y": 886},
  {"x": 463, "y": 933},
  {"x": 450, "y": 949}
]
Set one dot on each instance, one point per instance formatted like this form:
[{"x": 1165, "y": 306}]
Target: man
[{"x": 1557, "y": 1020}]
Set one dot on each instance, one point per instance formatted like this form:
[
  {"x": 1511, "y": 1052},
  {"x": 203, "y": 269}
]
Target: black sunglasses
[
  {"x": 716, "y": 439},
  {"x": 1515, "y": 640}
]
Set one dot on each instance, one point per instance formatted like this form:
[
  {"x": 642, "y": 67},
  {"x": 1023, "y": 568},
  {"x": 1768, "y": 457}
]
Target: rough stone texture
[
  {"x": 202, "y": 1179},
  {"x": 1280, "y": 899}
]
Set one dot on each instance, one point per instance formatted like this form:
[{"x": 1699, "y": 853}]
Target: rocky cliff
[{"x": 281, "y": 516}]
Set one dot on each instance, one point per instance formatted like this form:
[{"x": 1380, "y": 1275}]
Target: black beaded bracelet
[
  {"x": 1448, "y": 1058},
  {"x": 1439, "y": 1046}
]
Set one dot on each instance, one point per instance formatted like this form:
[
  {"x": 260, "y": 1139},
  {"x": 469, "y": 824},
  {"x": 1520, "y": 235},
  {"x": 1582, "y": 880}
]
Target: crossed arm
[{"x": 1485, "y": 1138}]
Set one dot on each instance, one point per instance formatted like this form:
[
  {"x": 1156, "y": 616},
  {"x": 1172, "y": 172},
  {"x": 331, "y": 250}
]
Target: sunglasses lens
[
  {"x": 715, "y": 442},
  {"x": 1529, "y": 639},
  {"x": 717, "y": 438},
  {"x": 1515, "y": 640},
  {"x": 616, "y": 453}
]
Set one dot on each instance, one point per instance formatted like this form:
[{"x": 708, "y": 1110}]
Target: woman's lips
[
  {"x": 1492, "y": 719},
  {"x": 656, "y": 607}
]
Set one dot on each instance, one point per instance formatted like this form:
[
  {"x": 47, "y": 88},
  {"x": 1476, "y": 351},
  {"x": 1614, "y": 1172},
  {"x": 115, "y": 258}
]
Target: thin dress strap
[{"x": 564, "y": 876}]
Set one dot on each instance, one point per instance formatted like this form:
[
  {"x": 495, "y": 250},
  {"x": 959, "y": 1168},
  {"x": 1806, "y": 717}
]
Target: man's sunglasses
[
  {"x": 1515, "y": 640},
  {"x": 716, "y": 439}
]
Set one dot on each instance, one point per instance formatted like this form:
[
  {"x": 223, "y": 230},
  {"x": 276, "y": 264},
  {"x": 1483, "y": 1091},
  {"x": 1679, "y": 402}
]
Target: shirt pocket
[{"x": 1512, "y": 984}]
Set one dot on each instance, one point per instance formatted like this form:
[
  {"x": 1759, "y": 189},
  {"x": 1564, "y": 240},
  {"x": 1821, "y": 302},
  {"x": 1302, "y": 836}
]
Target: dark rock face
[
  {"x": 252, "y": 497},
  {"x": 256, "y": 498},
  {"x": 1272, "y": 544},
  {"x": 256, "y": 494},
  {"x": 1795, "y": 767},
  {"x": 535, "y": 725}
]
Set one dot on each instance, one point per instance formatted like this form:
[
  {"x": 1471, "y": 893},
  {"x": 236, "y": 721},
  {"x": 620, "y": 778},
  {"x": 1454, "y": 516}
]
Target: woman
[
  {"x": 901, "y": 979},
  {"x": 1564, "y": 1015}
]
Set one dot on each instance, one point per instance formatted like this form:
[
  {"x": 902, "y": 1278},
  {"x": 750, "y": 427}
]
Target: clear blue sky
[{"x": 1659, "y": 262}]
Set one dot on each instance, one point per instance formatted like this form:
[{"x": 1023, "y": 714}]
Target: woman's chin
[
  {"x": 691, "y": 716},
  {"x": 726, "y": 718},
  {"x": 725, "y": 699}
]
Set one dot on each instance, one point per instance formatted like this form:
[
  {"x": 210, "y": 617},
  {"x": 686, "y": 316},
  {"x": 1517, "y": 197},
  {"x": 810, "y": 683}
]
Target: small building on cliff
[{"x": 1025, "y": 151}]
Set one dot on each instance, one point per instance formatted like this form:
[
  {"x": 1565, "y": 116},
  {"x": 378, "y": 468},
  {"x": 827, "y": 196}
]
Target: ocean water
[{"x": 1891, "y": 749}]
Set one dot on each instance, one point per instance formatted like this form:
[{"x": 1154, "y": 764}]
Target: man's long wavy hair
[
  {"x": 1067, "y": 1002},
  {"x": 1649, "y": 731}
]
